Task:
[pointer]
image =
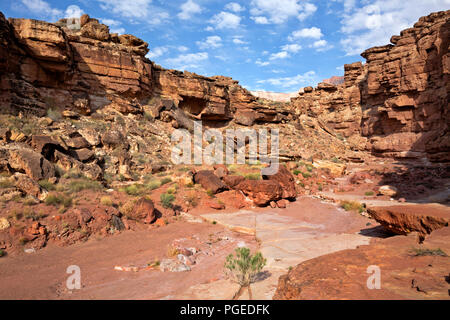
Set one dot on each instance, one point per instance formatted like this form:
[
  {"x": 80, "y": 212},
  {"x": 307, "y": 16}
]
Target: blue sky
[{"x": 271, "y": 45}]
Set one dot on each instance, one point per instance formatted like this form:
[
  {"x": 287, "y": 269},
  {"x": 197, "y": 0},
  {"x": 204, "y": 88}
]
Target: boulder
[
  {"x": 30, "y": 162},
  {"x": 143, "y": 210},
  {"x": 209, "y": 181},
  {"x": 29, "y": 186},
  {"x": 261, "y": 192},
  {"x": 286, "y": 180},
  {"x": 403, "y": 219},
  {"x": 387, "y": 190},
  {"x": 232, "y": 181}
]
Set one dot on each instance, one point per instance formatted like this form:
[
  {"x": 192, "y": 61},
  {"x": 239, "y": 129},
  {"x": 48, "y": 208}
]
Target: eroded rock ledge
[{"x": 397, "y": 103}]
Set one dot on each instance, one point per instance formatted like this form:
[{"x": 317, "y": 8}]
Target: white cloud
[
  {"x": 279, "y": 55},
  {"x": 182, "y": 48},
  {"x": 262, "y": 63},
  {"x": 238, "y": 40},
  {"x": 211, "y": 42},
  {"x": 225, "y": 20},
  {"x": 321, "y": 45},
  {"x": 307, "y": 78},
  {"x": 114, "y": 25},
  {"x": 235, "y": 7},
  {"x": 136, "y": 9},
  {"x": 188, "y": 9},
  {"x": 375, "y": 22},
  {"x": 280, "y": 11},
  {"x": 157, "y": 52},
  {"x": 188, "y": 60},
  {"x": 43, "y": 9},
  {"x": 73, "y": 11},
  {"x": 313, "y": 32},
  {"x": 260, "y": 20},
  {"x": 308, "y": 10},
  {"x": 294, "y": 48}
]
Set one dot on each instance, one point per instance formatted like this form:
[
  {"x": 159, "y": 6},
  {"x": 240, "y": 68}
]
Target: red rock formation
[
  {"x": 55, "y": 65},
  {"x": 398, "y": 102}
]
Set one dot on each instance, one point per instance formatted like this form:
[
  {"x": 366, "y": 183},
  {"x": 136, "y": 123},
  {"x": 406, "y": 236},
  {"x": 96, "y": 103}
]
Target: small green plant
[
  {"x": 297, "y": 172},
  {"x": 210, "y": 193},
  {"x": 243, "y": 268},
  {"x": 429, "y": 252},
  {"x": 47, "y": 185},
  {"x": 253, "y": 176},
  {"x": 352, "y": 206},
  {"x": 54, "y": 114},
  {"x": 167, "y": 200},
  {"x": 369, "y": 193},
  {"x": 153, "y": 184},
  {"x": 82, "y": 184},
  {"x": 306, "y": 175},
  {"x": 165, "y": 180},
  {"x": 58, "y": 199},
  {"x": 2, "y": 253}
]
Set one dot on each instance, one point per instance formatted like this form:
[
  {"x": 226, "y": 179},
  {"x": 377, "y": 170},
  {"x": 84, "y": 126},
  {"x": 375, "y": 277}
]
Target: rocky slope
[{"x": 397, "y": 103}]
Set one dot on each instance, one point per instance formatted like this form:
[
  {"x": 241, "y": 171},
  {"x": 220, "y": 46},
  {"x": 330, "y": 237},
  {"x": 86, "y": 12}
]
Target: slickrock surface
[{"x": 406, "y": 272}]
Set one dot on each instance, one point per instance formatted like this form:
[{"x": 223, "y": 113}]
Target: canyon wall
[
  {"x": 397, "y": 103},
  {"x": 78, "y": 65}
]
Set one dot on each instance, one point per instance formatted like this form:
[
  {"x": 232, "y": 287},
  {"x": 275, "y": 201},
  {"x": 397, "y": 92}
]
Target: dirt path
[{"x": 307, "y": 228}]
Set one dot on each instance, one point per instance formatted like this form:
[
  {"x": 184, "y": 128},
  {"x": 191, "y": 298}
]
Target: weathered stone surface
[
  {"x": 412, "y": 218},
  {"x": 33, "y": 164},
  {"x": 232, "y": 181},
  {"x": 398, "y": 101},
  {"x": 29, "y": 186},
  {"x": 209, "y": 181},
  {"x": 261, "y": 192},
  {"x": 143, "y": 210},
  {"x": 286, "y": 180}
]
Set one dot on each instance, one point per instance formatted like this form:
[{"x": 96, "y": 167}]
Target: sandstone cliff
[
  {"x": 83, "y": 68},
  {"x": 397, "y": 103}
]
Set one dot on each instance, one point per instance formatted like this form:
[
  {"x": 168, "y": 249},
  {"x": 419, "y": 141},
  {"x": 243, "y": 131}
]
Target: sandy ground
[{"x": 306, "y": 229}]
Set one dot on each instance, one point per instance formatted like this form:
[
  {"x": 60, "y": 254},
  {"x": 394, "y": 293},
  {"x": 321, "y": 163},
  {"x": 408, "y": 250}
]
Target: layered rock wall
[{"x": 398, "y": 101}]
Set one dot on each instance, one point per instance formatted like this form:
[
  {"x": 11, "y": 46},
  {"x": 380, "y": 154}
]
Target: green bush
[
  {"x": 82, "y": 184},
  {"x": 244, "y": 267},
  {"x": 167, "y": 200},
  {"x": 47, "y": 185},
  {"x": 58, "y": 199},
  {"x": 352, "y": 206},
  {"x": 253, "y": 176},
  {"x": 165, "y": 180},
  {"x": 369, "y": 193},
  {"x": 297, "y": 172},
  {"x": 306, "y": 175}
]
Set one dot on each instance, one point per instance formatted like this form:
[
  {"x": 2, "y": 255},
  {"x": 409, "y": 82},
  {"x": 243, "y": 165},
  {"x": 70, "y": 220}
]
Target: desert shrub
[
  {"x": 106, "y": 201},
  {"x": 244, "y": 267},
  {"x": 306, "y": 175},
  {"x": 428, "y": 252},
  {"x": 172, "y": 251},
  {"x": 82, "y": 184},
  {"x": 171, "y": 190},
  {"x": 47, "y": 185},
  {"x": 154, "y": 184},
  {"x": 297, "y": 172},
  {"x": 54, "y": 114},
  {"x": 135, "y": 189},
  {"x": 58, "y": 199},
  {"x": 369, "y": 193},
  {"x": 2, "y": 253},
  {"x": 191, "y": 199},
  {"x": 352, "y": 206},
  {"x": 165, "y": 181},
  {"x": 167, "y": 200},
  {"x": 253, "y": 176},
  {"x": 127, "y": 207}
]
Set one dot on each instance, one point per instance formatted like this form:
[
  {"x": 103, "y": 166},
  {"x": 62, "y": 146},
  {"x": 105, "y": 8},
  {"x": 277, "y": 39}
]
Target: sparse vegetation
[
  {"x": 243, "y": 268},
  {"x": 352, "y": 206},
  {"x": 82, "y": 184},
  {"x": 253, "y": 176},
  {"x": 369, "y": 193},
  {"x": 165, "y": 181},
  {"x": 167, "y": 200},
  {"x": 2, "y": 253},
  {"x": 58, "y": 199},
  {"x": 47, "y": 185},
  {"x": 428, "y": 252},
  {"x": 106, "y": 201},
  {"x": 172, "y": 251}
]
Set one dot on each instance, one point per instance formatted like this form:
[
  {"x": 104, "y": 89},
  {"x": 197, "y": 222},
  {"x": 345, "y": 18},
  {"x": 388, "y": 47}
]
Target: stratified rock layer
[{"x": 397, "y": 104}]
